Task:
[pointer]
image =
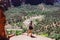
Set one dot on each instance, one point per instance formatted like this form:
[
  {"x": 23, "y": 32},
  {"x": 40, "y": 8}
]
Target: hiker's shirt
[{"x": 2, "y": 25}]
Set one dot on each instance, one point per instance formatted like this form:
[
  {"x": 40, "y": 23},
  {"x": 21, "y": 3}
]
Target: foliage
[
  {"x": 15, "y": 32},
  {"x": 45, "y": 27},
  {"x": 18, "y": 32},
  {"x": 9, "y": 32},
  {"x": 56, "y": 36},
  {"x": 45, "y": 35},
  {"x": 24, "y": 30},
  {"x": 18, "y": 13}
]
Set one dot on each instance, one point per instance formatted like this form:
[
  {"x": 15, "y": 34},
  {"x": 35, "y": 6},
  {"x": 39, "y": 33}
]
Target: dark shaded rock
[
  {"x": 33, "y": 2},
  {"x": 36, "y": 2},
  {"x": 16, "y": 3},
  {"x": 49, "y": 2}
]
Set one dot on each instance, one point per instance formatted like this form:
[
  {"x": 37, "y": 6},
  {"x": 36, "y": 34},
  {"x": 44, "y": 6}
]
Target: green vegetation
[
  {"x": 45, "y": 35},
  {"x": 56, "y": 36},
  {"x": 15, "y": 32},
  {"x": 45, "y": 27},
  {"x": 18, "y": 32},
  {"x": 20, "y": 12}
]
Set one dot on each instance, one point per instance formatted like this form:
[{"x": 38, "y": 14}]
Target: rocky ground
[{"x": 25, "y": 37}]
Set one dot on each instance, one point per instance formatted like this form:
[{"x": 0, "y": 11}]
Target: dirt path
[{"x": 25, "y": 37}]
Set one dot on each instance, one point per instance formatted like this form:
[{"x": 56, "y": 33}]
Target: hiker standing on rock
[
  {"x": 30, "y": 28},
  {"x": 3, "y": 35}
]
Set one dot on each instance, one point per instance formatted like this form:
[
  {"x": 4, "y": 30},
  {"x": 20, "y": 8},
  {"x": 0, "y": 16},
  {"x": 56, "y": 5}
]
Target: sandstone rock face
[
  {"x": 2, "y": 23},
  {"x": 25, "y": 37}
]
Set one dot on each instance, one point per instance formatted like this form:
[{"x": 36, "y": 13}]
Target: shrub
[
  {"x": 45, "y": 35},
  {"x": 18, "y": 32},
  {"x": 9, "y": 32},
  {"x": 24, "y": 30},
  {"x": 55, "y": 36}
]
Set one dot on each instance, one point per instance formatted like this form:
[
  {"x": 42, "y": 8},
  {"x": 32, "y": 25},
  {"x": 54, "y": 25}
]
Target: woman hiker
[{"x": 30, "y": 28}]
